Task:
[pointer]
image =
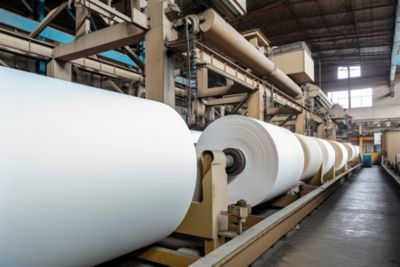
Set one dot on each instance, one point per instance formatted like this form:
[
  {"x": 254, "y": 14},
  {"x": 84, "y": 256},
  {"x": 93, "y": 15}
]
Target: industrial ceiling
[{"x": 338, "y": 32}]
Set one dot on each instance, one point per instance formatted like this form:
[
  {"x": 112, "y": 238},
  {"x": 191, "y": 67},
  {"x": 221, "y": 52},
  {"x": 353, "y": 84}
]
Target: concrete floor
[{"x": 359, "y": 225}]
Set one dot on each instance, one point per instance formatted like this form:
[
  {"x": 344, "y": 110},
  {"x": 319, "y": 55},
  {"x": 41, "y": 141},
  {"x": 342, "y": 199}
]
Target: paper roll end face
[
  {"x": 313, "y": 157},
  {"x": 328, "y": 153},
  {"x": 266, "y": 147},
  {"x": 94, "y": 170}
]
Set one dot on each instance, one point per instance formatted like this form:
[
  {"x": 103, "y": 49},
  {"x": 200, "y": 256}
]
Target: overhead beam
[
  {"x": 114, "y": 86},
  {"x": 226, "y": 100},
  {"x": 128, "y": 51},
  {"x": 316, "y": 31},
  {"x": 290, "y": 117},
  {"x": 132, "y": 54},
  {"x": 262, "y": 11},
  {"x": 23, "y": 45},
  {"x": 27, "y": 6},
  {"x": 138, "y": 18},
  {"x": 49, "y": 33},
  {"x": 112, "y": 37},
  {"x": 2, "y": 63},
  {"x": 50, "y": 16},
  {"x": 351, "y": 48},
  {"x": 240, "y": 104},
  {"x": 82, "y": 21},
  {"x": 222, "y": 90}
]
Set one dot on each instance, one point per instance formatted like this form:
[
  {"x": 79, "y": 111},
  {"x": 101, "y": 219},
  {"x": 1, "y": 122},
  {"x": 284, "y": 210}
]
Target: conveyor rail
[
  {"x": 395, "y": 177},
  {"x": 246, "y": 248}
]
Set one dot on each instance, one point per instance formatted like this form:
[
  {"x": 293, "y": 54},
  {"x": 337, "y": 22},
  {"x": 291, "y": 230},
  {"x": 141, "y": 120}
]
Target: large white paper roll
[
  {"x": 351, "y": 152},
  {"x": 328, "y": 155},
  {"x": 274, "y": 157},
  {"x": 341, "y": 154},
  {"x": 86, "y": 175},
  {"x": 357, "y": 151},
  {"x": 312, "y": 156}
]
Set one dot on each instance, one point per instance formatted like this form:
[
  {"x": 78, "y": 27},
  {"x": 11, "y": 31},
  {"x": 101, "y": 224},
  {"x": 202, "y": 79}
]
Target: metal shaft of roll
[
  {"x": 229, "y": 161},
  {"x": 223, "y": 36}
]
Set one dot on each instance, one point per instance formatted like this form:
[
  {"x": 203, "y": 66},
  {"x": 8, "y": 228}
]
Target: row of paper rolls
[
  {"x": 276, "y": 159},
  {"x": 87, "y": 175}
]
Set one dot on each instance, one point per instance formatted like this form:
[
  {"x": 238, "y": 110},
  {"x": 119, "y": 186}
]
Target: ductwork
[{"x": 223, "y": 36}]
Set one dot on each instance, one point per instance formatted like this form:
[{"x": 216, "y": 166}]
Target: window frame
[
  {"x": 342, "y": 72},
  {"x": 349, "y": 72},
  {"x": 365, "y": 96},
  {"x": 338, "y": 97},
  {"x": 355, "y": 71}
]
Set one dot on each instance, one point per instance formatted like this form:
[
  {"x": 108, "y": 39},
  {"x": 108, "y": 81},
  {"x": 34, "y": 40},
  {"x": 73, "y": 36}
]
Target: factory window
[
  {"x": 361, "y": 98},
  {"x": 355, "y": 71},
  {"x": 340, "y": 97},
  {"x": 345, "y": 72}
]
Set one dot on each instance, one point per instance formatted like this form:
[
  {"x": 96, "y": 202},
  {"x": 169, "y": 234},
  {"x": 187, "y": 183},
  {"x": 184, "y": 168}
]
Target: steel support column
[
  {"x": 39, "y": 16},
  {"x": 60, "y": 70},
  {"x": 46, "y": 21},
  {"x": 160, "y": 67},
  {"x": 82, "y": 22},
  {"x": 256, "y": 104}
]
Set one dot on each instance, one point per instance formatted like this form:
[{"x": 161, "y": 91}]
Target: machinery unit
[
  {"x": 259, "y": 41},
  {"x": 368, "y": 146},
  {"x": 390, "y": 147},
  {"x": 296, "y": 61},
  {"x": 314, "y": 92}
]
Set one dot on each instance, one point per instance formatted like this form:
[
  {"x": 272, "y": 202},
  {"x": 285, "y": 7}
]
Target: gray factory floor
[{"x": 359, "y": 225}]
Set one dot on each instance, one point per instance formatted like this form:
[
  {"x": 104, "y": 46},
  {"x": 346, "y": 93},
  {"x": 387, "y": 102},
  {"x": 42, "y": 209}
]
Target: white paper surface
[
  {"x": 86, "y": 175},
  {"x": 357, "y": 149},
  {"x": 312, "y": 156},
  {"x": 351, "y": 152},
  {"x": 328, "y": 155},
  {"x": 274, "y": 157},
  {"x": 340, "y": 154}
]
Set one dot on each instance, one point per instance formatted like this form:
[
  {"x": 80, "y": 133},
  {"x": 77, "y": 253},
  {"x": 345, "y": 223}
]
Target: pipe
[{"x": 223, "y": 36}]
